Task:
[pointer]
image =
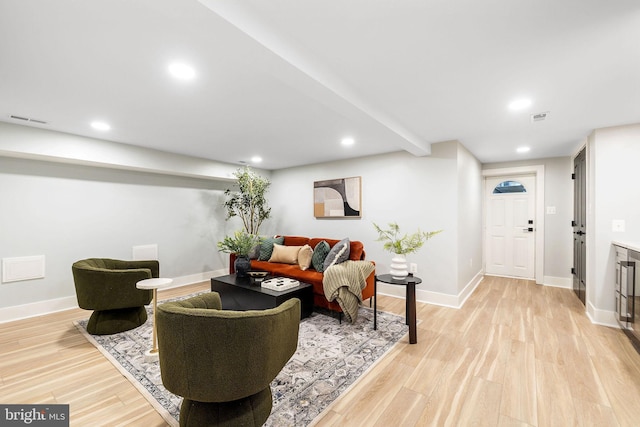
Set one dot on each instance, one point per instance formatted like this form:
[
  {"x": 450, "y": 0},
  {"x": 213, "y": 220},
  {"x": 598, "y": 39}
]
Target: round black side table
[{"x": 410, "y": 309}]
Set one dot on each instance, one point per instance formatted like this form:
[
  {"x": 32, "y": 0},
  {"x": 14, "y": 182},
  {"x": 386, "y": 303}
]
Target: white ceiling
[{"x": 288, "y": 79}]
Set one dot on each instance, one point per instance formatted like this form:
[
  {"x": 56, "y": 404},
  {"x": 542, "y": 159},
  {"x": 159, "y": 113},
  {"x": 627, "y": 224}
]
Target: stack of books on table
[{"x": 280, "y": 284}]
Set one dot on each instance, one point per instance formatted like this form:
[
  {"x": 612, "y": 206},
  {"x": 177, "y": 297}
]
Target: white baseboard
[
  {"x": 39, "y": 308},
  {"x": 558, "y": 282},
  {"x": 18, "y": 312},
  {"x": 197, "y": 278},
  {"x": 595, "y": 315},
  {"x": 601, "y": 317},
  {"x": 471, "y": 286},
  {"x": 435, "y": 298}
]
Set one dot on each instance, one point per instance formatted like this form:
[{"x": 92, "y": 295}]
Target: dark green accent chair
[
  {"x": 221, "y": 361},
  {"x": 108, "y": 286}
]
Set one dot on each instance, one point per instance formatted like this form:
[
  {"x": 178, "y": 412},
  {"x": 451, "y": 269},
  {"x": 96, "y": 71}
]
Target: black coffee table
[{"x": 242, "y": 293}]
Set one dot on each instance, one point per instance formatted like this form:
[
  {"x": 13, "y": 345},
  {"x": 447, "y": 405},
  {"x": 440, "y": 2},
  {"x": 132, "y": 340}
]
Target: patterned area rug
[{"x": 329, "y": 359}]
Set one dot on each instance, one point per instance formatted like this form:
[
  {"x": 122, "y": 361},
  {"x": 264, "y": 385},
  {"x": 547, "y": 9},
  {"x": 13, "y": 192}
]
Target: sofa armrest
[
  {"x": 232, "y": 261},
  {"x": 369, "y": 290}
]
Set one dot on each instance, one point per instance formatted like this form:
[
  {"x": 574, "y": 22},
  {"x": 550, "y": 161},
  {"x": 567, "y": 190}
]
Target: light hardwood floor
[{"x": 515, "y": 354}]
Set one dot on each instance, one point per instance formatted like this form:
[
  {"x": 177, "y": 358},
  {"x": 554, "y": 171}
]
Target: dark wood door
[{"x": 579, "y": 225}]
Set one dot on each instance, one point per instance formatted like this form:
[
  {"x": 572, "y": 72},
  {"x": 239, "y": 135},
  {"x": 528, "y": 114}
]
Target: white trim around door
[{"x": 538, "y": 171}]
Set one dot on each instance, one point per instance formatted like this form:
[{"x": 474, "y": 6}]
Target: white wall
[
  {"x": 69, "y": 212},
  {"x": 614, "y": 193},
  {"x": 469, "y": 189},
  {"x": 415, "y": 192},
  {"x": 558, "y": 193},
  {"x": 55, "y": 202}
]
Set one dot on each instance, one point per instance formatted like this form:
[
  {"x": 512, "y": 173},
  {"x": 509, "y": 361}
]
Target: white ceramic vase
[{"x": 399, "y": 269}]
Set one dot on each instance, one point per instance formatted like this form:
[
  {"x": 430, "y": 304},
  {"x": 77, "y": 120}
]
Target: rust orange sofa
[{"x": 293, "y": 271}]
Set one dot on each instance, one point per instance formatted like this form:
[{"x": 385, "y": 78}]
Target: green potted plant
[
  {"x": 249, "y": 202},
  {"x": 239, "y": 244},
  {"x": 401, "y": 245}
]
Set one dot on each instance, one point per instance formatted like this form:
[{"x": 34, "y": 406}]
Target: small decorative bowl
[
  {"x": 257, "y": 276},
  {"x": 257, "y": 273}
]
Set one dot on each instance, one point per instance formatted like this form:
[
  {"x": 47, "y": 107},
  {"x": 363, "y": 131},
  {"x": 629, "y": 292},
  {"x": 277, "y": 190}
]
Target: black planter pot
[{"x": 242, "y": 265}]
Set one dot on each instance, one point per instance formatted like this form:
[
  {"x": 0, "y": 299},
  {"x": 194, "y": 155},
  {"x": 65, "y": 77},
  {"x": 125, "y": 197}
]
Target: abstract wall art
[{"x": 337, "y": 198}]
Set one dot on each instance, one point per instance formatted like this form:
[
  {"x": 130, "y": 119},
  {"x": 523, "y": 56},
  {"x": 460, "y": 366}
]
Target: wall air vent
[
  {"x": 539, "y": 117},
  {"x": 28, "y": 119}
]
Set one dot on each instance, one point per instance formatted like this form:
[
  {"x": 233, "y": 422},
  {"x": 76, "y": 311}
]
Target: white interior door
[{"x": 510, "y": 225}]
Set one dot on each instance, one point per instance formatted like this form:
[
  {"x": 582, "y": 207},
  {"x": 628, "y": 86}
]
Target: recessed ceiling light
[
  {"x": 520, "y": 104},
  {"x": 523, "y": 149},
  {"x": 256, "y": 159},
  {"x": 182, "y": 71},
  {"x": 348, "y": 141},
  {"x": 100, "y": 125}
]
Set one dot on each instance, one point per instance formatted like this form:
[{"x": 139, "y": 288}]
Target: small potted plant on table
[
  {"x": 401, "y": 245},
  {"x": 239, "y": 244}
]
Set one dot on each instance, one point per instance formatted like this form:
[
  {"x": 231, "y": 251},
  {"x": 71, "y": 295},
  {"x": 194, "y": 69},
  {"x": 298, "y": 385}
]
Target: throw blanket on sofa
[{"x": 344, "y": 283}]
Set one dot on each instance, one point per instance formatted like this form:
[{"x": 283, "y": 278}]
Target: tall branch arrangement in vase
[{"x": 249, "y": 202}]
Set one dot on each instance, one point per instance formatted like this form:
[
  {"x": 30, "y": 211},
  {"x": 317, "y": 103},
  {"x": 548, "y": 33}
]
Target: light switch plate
[{"x": 551, "y": 210}]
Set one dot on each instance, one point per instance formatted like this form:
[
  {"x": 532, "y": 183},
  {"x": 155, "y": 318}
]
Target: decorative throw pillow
[
  {"x": 319, "y": 254},
  {"x": 266, "y": 247},
  {"x": 285, "y": 254},
  {"x": 254, "y": 253},
  {"x": 339, "y": 253},
  {"x": 304, "y": 257}
]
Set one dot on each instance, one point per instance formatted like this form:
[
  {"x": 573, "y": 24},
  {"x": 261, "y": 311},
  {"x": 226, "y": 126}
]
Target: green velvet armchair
[
  {"x": 108, "y": 286},
  {"x": 222, "y": 362}
]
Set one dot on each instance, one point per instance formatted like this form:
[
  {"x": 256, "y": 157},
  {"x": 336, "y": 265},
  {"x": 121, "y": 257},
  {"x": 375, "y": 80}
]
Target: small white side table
[{"x": 153, "y": 284}]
